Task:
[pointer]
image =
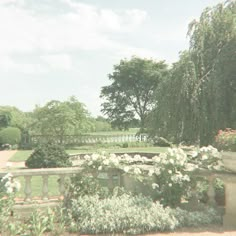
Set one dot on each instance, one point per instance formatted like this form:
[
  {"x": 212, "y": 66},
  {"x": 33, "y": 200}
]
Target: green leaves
[
  {"x": 62, "y": 118},
  {"x": 131, "y": 93}
]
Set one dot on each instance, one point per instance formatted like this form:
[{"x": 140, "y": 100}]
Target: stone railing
[
  {"x": 87, "y": 139},
  {"x": 27, "y": 174}
]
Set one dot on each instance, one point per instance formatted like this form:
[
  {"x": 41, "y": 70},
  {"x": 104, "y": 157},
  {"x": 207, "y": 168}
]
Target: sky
[{"x": 54, "y": 49}]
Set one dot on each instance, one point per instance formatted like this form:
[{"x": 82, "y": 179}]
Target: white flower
[
  {"x": 194, "y": 153},
  {"x": 86, "y": 157},
  {"x": 17, "y": 185},
  {"x": 154, "y": 186},
  {"x": 126, "y": 169},
  {"x": 95, "y": 157},
  {"x": 106, "y": 162},
  {"x": 100, "y": 168},
  {"x": 157, "y": 171},
  {"x": 112, "y": 155},
  {"x": 170, "y": 172},
  {"x": 156, "y": 159},
  {"x": 186, "y": 178},
  {"x": 9, "y": 189},
  {"x": 204, "y": 157},
  {"x": 6, "y": 177},
  {"x": 137, "y": 171},
  {"x": 170, "y": 184},
  {"x": 150, "y": 172},
  {"x": 171, "y": 161},
  {"x": 190, "y": 167},
  {"x": 90, "y": 163},
  {"x": 171, "y": 151}
]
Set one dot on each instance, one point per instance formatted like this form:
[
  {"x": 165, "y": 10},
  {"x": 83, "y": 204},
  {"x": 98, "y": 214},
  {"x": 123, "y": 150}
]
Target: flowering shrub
[
  {"x": 8, "y": 188},
  {"x": 226, "y": 140},
  {"x": 169, "y": 175}
]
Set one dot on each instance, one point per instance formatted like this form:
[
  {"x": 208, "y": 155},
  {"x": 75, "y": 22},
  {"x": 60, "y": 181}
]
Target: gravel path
[{"x": 5, "y": 156}]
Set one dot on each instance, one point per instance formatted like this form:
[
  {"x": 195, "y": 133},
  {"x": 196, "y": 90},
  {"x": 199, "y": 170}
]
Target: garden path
[{"x": 5, "y": 155}]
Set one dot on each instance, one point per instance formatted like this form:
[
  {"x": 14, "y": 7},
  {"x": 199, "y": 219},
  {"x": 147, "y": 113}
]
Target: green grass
[
  {"x": 23, "y": 155},
  {"x": 116, "y": 132},
  {"x": 20, "y": 156},
  {"x": 36, "y": 186}
]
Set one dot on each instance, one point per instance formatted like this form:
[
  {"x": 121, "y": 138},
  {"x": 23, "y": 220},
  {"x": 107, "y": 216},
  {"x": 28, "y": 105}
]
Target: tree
[
  {"x": 174, "y": 114},
  {"x": 213, "y": 46},
  {"x": 61, "y": 118},
  {"x": 130, "y": 94},
  {"x": 200, "y": 98},
  {"x": 5, "y": 119}
]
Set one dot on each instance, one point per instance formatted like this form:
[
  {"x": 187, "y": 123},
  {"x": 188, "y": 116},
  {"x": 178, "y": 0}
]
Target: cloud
[
  {"x": 58, "y": 61},
  {"x": 8, "y": 64},
  {"x": 81, "y": 27}
]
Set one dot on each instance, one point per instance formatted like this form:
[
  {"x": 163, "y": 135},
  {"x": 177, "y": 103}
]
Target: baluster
[
  {"x": 110, "y": 180},
  {"x": 62, "y": 186},
  {"x": 211, "y": 191},
  {"x": 45, "y": 187},
  {"x": 28, "y": 190}
]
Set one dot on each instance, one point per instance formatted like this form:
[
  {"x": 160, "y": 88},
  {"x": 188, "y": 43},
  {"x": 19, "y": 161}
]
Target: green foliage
[
  {"x": 5, "y": 119},
  {"x": 123, "y": 214},
  {"x": 12, "y": 116},
  {"x": 62, "y": 118},
  {"x": 199, "y": 97},
  {"x": 48, "y": 156},
  {"x": 8, "y": 189},
  {"x": 10, "y": 135},
  {"x": 219, "y": 188},
  {"x": 84, "y": 184},
  {"x": 133, "y": 215},
  {"x": 101, "y": 124},
  {"x": 226, "y": 140},
  {"x": 131, "y": 92}
]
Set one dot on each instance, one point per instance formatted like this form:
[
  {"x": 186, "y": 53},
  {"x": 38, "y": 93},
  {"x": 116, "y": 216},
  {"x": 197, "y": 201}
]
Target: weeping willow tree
[{"x": 200, "y": 96}]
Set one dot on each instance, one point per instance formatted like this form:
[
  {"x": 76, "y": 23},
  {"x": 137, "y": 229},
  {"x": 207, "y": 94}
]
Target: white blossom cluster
[
  {"x": 103, "y": 161},
  {"x": 175, "y": 166},
  {"x": 207, "y": 158},
  {"x": 9, "y": 184}
]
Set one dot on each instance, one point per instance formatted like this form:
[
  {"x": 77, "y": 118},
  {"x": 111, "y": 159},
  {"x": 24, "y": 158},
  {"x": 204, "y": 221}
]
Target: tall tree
[
  {"x": 130, "y": 94},
  {"x": 200, "y": 98},
  {"x": 213, "y": 49}
]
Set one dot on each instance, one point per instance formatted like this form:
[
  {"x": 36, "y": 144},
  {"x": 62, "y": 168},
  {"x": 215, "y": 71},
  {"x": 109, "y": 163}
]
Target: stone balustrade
[
  {"x": 120, "y": 179},
  {"x": 27, "y": 174}
]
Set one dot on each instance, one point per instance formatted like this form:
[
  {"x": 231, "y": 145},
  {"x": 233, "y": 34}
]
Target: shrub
[
  {"x": 123, "y": 214},
  {"x": 226, "y": 140},
  {"x": 10, "y": 135},
  {"x": 133, "y": 215},
  {"x": 48, "y": 156}
]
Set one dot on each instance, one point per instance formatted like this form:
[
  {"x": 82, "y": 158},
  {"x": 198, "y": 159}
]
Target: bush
[
  {"x": 226, "y": 140},
  {"x": 133, "y": 215},
  {"x": 10, "y": 135},
  {"x": 48, "y": 156}
]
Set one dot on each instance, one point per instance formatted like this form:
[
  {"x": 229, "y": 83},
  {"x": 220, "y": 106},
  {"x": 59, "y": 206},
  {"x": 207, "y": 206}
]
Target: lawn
[
  {"x": 116, "y": 132},
  {"x": 22, "y": 155},
  {"x": 36, "y": 186}
]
